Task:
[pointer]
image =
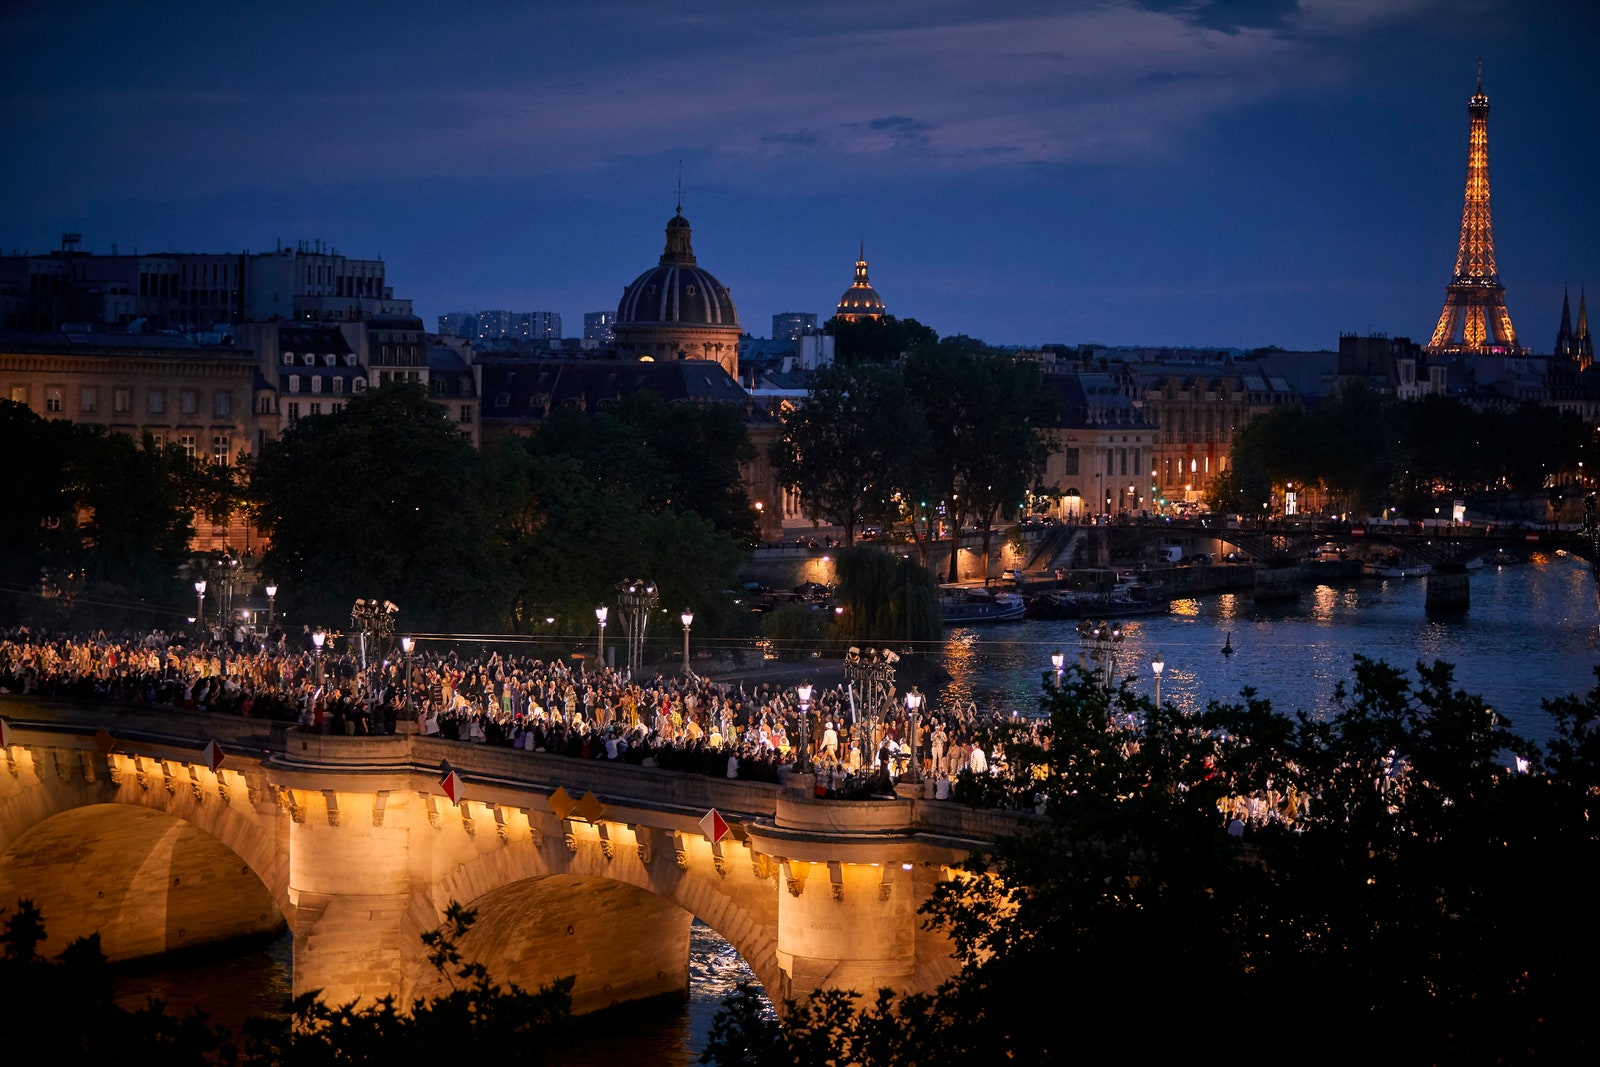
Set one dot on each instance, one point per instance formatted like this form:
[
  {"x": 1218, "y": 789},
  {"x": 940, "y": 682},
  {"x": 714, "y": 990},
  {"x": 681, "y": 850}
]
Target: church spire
[
  {"x": 1564, "y": 333},
  {"x": 1582, "y": 343}
]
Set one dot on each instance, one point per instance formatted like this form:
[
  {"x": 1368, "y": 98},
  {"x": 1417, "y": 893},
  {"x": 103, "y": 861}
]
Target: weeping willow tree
[{"x": 888, "y": 598}]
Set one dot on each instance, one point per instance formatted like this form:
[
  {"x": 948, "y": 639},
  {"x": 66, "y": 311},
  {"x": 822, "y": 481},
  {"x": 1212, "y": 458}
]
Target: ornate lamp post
[
  {"x": 376, "y": 618},
  {"x": 687, "y": 618},
  {"x": 600, "y": 614},
  {"x": 913, "y": 706},
  {"x": 802, "y": 763},
  {"x": 873, "y": 673},
  {"x": 407, "y": 643},
  {"x": 1057, "y": 660},
  {"x": 319, "y": 638},
  {"x": 272, "y": 602},
  {"x": 200, "y": 603},
  {"x": 1158, "y": 665},
  {"x": 638, "y": 599},
  {"x": 1102, "y": 639}
]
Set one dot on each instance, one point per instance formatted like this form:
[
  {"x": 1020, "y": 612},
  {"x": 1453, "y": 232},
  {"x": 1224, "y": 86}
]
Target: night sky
[{"x": 1170, "y": 172}]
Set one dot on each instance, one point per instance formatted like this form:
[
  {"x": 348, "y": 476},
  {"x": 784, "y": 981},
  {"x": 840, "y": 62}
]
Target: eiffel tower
[{"x": 1475, "y": 318}]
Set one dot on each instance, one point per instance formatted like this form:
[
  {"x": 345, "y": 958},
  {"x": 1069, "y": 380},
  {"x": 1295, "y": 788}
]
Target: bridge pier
[
  {"x": 1278, "y": 583},
  {"x": 349, "y": 893},
  {"x": 1449, "y": 590}
]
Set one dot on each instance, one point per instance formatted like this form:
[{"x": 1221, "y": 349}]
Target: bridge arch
[
  {"x": 619, "y": 926},
  {"x": 151, "y": 869}
]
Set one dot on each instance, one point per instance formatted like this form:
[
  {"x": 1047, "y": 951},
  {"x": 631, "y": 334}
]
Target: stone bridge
[
  {"x": 1279, "y": 543},
  {"x": 114, "y": 820}
]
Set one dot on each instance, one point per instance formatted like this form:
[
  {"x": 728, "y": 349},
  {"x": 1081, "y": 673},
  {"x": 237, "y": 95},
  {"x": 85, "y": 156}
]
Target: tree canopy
[
  {"x": 1371, "y": 451},
  {"x": 98, "y": 518},
  {"x": 1419, "y": 896},
  {"x": 385, "y": 498}
]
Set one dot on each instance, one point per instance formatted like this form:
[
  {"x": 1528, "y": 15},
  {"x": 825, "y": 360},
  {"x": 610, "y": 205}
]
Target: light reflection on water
[
  {"x": 1530, "y": 634},
  {"x": 238, "y": 984}
]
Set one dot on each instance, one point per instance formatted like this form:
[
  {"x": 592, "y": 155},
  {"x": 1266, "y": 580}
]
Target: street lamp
[
  {"x": 200, "y": 602},
  {"x": 802, "y": 763},
  {"x": 638, "y": 599},
  {"x": 407, "y": 643},
  {"x": 1158, "y": 665},
  {"x": 1057, "y": 660},
  {"x": 272, "y": 601},
  {"x": 318, "y": 638},
  {"x": 913, "y": 706},
  {"x": 687, "y": 618},
  {"x": 600, "y": 614}
]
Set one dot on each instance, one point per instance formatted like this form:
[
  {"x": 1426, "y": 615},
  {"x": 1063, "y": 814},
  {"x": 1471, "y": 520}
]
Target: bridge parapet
[{"x": 356, "y": 844}]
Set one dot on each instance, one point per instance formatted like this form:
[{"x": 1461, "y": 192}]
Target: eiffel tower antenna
[{"x": 1475, "y": 318}]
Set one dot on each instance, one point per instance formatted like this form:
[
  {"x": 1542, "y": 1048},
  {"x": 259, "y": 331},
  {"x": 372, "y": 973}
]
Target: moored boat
[{"x": 967, "y": 607}]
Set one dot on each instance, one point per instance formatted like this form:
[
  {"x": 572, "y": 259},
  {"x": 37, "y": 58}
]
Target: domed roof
[
  {"x": 677, "y": 290},
  {"x": 861, "y": 300}
]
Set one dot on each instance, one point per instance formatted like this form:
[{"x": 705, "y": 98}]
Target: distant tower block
[{"x": 1475, "y": 318}]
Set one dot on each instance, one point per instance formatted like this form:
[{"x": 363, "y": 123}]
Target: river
[{"x": 1532, "y": 632}]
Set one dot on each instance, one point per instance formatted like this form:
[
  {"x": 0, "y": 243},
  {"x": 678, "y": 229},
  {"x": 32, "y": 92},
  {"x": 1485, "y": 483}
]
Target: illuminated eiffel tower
[{"x": 1475, "y": 318}]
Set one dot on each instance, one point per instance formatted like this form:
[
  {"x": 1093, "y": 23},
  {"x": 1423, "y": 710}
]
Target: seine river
[{"x": 1532, "y": 633}]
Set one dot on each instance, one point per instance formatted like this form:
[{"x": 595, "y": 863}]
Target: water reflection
[
  {"x": 1530, "y": 634},
  {"x": 234, "y": 984}
]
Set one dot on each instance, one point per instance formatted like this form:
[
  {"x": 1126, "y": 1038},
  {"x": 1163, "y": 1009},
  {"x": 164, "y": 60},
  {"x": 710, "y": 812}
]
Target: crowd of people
[{"x": 685, "y": 723}]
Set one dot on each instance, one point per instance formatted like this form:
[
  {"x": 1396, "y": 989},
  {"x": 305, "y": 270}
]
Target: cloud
[{"x": 941, "y": 84}]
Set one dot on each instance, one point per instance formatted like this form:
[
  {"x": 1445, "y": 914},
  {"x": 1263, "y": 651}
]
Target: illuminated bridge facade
[{"x": 113, "y": 820}]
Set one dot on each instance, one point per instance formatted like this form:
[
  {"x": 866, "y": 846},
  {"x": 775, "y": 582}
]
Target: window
[
  {"x": 221, "y": 403},
  {"x": 19, "y": 394},
  {"x": 360, "y": 385},
  {"x": 186, "y": 442},
  {"x": 189, "y": 400},
  {"x": 338, "y": 385},
  {"x": 122, "y": 400},
  {"x": 466, "y": 413},
  {"x": 288, "y": 359},
  {"x": 1071, "y": 456},
  {"x": 316, "y": 385},
  {"x": 219, "y": 449},
  {"x": 155, "y": 401},
  {"x": 88, "y": 398},
  {"x": 316, "y": 408},
  {"x": 294, "y": 410},
  {"x": 52, "y": 398}
]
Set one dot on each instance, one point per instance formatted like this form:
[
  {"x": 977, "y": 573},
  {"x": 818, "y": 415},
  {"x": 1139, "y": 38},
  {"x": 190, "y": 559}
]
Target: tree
[
  {"x": 884, "y": 339},
  {"x": 986, "y": 419},
  {"x": 839, "y": 450},
  {"x": 648, "y": 488},
  {"x": 71, "y": 998},
  {"x": 384, "y": 498},
  {"x": 1430, "y": 900}
]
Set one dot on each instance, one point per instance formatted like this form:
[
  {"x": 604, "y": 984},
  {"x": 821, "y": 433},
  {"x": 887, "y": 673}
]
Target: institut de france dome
[{"x": 677, "y": 310}]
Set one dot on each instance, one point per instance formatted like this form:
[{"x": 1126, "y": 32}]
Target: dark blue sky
[{"x": 1164, "y": 172}]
